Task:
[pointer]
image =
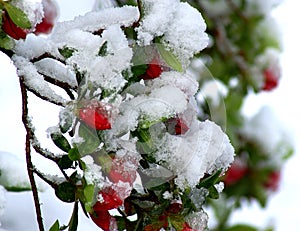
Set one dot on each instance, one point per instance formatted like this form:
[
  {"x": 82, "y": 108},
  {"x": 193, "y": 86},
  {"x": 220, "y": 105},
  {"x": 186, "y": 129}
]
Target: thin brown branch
[
  {"x": 65, "y": 86},
  {"x": 46, "y": 55},
  {"x": 28, "y": 155},
  {"x": 45, "y": 98},
  {"x": 44, "y": 152},
  {"x": 44, "y": 178}
]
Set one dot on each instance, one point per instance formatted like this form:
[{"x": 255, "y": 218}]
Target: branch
[
  {"x": 44, "y": 178},
  {"x": 28, "y": 155},
  {"x": 62, "y": 85},
  {"x": 43, "y": 97},
  {"x": 46, "y": 55}
]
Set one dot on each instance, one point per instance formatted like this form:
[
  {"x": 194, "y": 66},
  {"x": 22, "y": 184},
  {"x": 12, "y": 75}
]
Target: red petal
[
  {"x": 102, "y": 219},
  {"x": 95, "y": 118},
  {"x": 12, "y": 29},
  {"x": 110, "y": 200}
]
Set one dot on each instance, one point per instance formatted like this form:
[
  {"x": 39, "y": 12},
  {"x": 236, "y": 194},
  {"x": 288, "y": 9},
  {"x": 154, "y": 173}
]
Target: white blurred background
[{"x": 282, "y": 210}]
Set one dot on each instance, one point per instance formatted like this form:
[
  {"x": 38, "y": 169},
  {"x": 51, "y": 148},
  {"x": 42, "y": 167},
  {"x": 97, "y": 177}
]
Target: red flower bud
[
  {"x": 95, "y": 115},
  {"x": 175, "y": 207},
  {"x": 176, "y": 126},
  {"x": 153, "y": 70},
  {"x": 119, "y": 171},
  {"x": 235, "y": 173},
  {"x": 273, "y": 181},
  {"x": 270, "y": 80},
  {"x": 11, "y": 29},
  {"x": 50, "y": 15},
  {"x": 108, "y": 199},
  {"x": 186, "y": 227},
  {"x": 102, "y": 219}
]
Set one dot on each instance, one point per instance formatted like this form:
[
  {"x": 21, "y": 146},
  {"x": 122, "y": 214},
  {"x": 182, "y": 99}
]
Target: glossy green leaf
[
  {"x": 88, "y": 192},
  {"x": 138, "y": 70},
  {"x": 5, "y": 41},
  {"x": 213, "y": 193},
  {"x": 209, "y": 181},
  {"x": 169, "y": 58},
  {"x": 17, "y": 16},
  {"x": 55, "y": 226},
  {"x": 65, "y": 162},
  {"x": 66, "y": 192},
  {"x": 90, "y": 142},
  {"x": 65, "y": 120},
  {"x": 103, "y": 49},
  {"x": 60, "y": 141},
  {"x": 66, "y": 52},
  {"x": 74, "y": 154}
]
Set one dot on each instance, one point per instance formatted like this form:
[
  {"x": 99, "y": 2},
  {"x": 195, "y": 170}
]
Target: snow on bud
[{"x": 96, "y": 114}]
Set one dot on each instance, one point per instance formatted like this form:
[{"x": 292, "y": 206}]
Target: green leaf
[
  {"x": 138, "y": 70},
  {"x": 91, "y": 140},
  {"x": 17, "y": 16},
  {"x": 177, "y": 222},
  {"x": 55, "y": 226},
  {"x": 66, "y": 52},
  {"x": 5, "y": 41},
  {"x": 17, "y": 188},
  {"x": 103, "y": 49},
  {"x": 74, "y": 154},
  {"x": 121, "y": 222},
  {"x": 65, "y": 162},
  {"x": 88, "y": 196},
  {"x": 213, "y": 193},
  {"x": 60, "y": 141},
  {"x": 65, "y": 120},
  {"x": 169, "y": 57},
  {"x": 210, "y": 181},
  {"x": 66, "y": 192}
]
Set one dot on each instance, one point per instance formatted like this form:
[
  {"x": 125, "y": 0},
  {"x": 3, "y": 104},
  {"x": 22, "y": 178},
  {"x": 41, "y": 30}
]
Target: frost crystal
[
  {"x": 93, "y": 173},
  {"x": 203, "y": 149},
  {"x": 197, "y": 220}
]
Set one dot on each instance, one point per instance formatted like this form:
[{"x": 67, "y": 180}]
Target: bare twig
[{"x": 28, "y": 155}]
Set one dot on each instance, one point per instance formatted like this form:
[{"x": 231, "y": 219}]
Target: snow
[
  {"x": 93, "y": 21},
  {"x": 56, "y": 71},
  {"x": 171, "y": 20},
  {"x": 13, "y": 171},
  {"x": 35, "y": 81},
  {"x": 261, "y": 126},
  {"x": 203, "y": 149}
]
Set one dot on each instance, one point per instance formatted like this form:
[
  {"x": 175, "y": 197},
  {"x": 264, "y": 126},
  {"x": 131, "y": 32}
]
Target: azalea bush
[{"x": 141, "y": 142}]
